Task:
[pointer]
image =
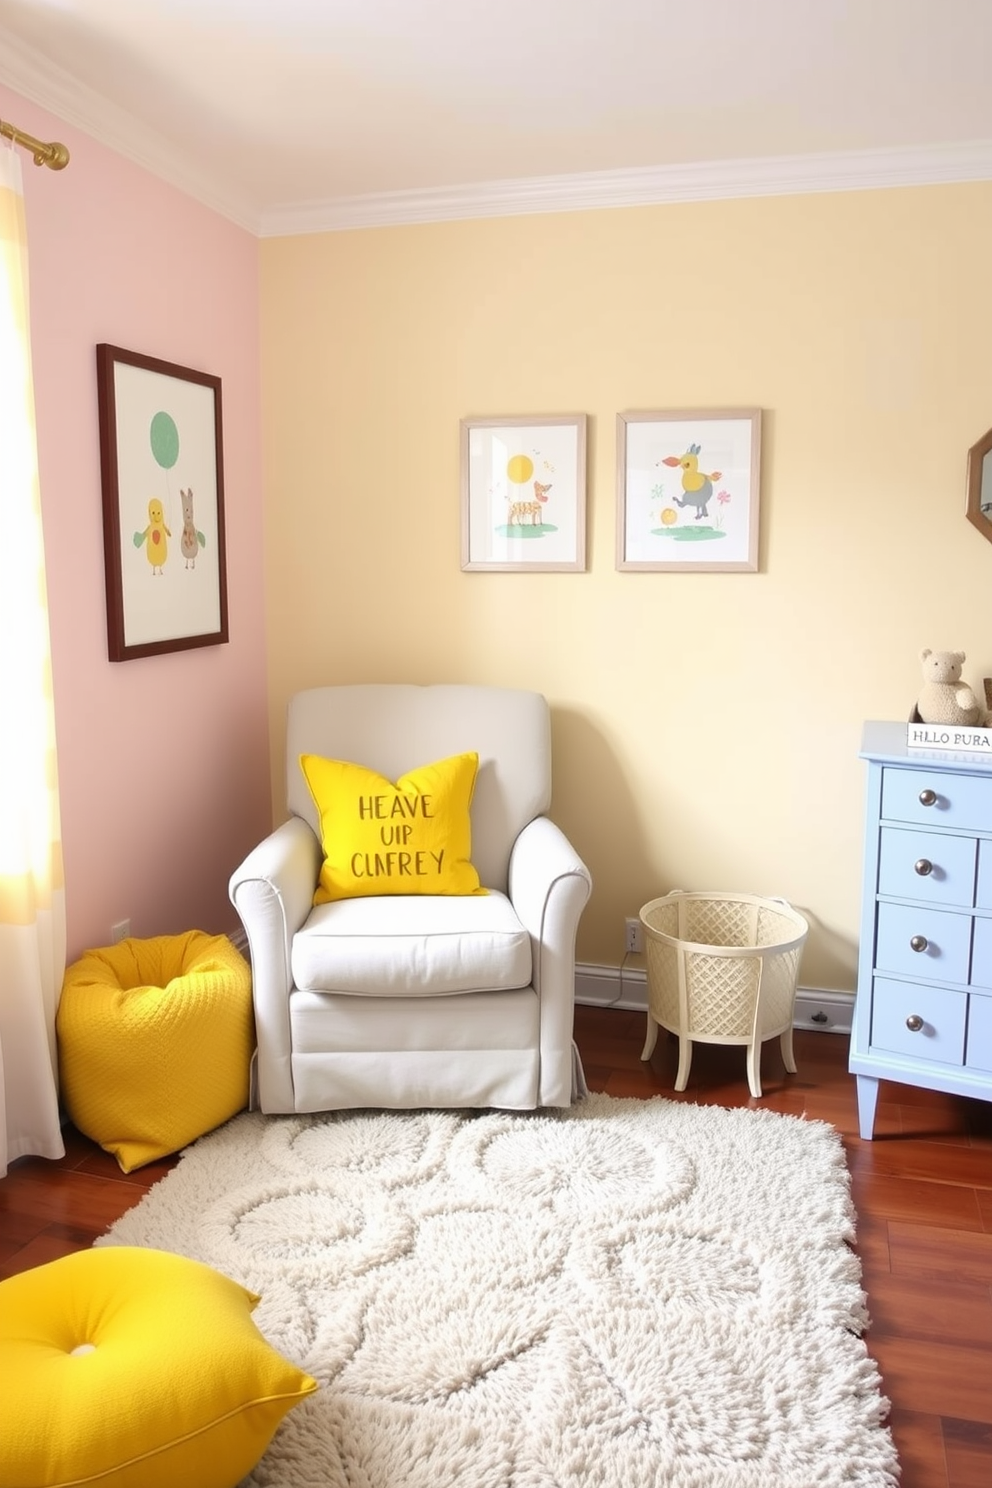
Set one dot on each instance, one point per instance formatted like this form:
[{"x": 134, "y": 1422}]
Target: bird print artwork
[
  {"x": 697, "y": 486},
  {"x": 697, "y": 490},
  {"x": 155, "y": 537},
  {"x": 164, "y": 443}
]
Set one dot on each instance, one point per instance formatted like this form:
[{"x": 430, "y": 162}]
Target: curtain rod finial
[{"x": 55, "y": 156}]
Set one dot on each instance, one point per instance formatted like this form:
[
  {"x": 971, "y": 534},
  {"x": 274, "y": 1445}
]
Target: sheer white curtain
[{"x": 32, "y": 899}]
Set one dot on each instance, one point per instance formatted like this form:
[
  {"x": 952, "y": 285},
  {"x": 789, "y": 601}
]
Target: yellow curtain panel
[{"x": 32, "y": 901}]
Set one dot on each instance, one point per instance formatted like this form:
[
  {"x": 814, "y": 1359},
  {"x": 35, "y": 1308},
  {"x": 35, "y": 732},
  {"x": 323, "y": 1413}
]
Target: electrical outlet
[
  {"x": 635, "y": 941},
  {"x": 120, "y": 931}
]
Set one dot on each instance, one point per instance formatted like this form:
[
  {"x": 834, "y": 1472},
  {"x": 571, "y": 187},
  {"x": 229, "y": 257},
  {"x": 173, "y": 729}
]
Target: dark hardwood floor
[{"x": 923, "y": 1191}]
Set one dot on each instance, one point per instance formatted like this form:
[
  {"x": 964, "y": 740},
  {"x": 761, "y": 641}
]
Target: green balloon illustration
[{"x": 165, "y": 440}]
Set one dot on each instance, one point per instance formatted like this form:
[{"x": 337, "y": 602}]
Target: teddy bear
[{"x": 944, "y": 698}]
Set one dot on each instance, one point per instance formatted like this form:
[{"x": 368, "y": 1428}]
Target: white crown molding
[
  {"x": 28, "y": 72},
  {"x": 720, "y": 180}
]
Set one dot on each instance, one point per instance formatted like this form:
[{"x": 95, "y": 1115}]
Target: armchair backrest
[{"x": 395, "y": 727}]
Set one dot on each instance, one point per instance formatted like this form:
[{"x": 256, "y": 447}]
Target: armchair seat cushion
[{"x": 422, "y": 945}]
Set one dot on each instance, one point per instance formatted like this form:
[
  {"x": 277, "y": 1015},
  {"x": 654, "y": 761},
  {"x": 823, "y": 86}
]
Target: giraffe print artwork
[
  {"x": 523, "y": 493},
  {"x": 522, "y": 512},
  {"x": 526, "y": 496}
]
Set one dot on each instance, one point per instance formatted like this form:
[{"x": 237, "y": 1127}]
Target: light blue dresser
[{"x": 923, "y": 1013}]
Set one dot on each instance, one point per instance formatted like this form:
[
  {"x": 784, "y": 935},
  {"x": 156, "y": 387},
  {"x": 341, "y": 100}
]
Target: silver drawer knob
[
  {"x": 919, "y": 943},
  {"x": 928, "y": 798},
  {"x": 914, "y": 1022},
  {"x": 923, "y": 866}
]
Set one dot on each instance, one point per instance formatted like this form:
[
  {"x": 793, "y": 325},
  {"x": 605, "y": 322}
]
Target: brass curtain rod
[{"x": 55, "y": 155}]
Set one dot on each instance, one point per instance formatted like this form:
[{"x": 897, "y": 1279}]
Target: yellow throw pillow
[
  {"x": 411, "y": 837},
  {"x": 135, "y": 1368}
]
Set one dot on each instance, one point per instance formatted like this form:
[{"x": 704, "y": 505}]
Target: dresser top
[{"x": 887, "y": 742}]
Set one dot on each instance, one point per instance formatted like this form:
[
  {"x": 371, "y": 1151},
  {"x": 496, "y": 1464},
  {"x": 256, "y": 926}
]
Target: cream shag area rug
[{"x": 628, "y": 1294}]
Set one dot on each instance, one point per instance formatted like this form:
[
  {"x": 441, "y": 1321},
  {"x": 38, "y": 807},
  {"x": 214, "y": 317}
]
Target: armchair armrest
[
  {"x": 549, "y": 886},
  {"x": 272, "y": 891}
]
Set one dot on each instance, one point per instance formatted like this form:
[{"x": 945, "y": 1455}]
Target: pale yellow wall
[{"x": 706, "y": 726}]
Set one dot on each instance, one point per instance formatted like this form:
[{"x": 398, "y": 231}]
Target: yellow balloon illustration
[{"x": 519, "y": 469}]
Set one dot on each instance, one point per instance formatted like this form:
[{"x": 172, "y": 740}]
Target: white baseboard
[{"x": 817, "y": 1008}]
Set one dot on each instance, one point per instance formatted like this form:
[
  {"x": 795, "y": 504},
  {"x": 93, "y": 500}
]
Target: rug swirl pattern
[{"x": 628, "y": 1294}]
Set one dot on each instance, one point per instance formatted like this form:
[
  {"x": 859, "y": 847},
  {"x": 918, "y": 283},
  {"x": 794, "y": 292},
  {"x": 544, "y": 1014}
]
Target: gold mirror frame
[{"x": 979, "y": 508}]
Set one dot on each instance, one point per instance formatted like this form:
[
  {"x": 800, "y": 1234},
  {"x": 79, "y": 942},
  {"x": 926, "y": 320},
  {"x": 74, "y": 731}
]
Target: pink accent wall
[{"x": 163, "y": 761}]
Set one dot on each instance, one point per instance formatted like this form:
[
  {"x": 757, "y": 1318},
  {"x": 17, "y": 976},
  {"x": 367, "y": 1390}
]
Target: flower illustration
[{"x": 722, "y": 498}]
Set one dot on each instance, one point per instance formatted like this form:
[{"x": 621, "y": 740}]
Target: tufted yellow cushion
[
  {"x": 414, "y": 837},
  {"x": 155, "y": 1042},
  {"x": 133, "y": 1368}
]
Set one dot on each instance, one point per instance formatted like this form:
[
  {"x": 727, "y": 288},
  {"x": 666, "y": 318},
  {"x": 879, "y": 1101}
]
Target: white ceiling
[{"x": 298, "y": 115}]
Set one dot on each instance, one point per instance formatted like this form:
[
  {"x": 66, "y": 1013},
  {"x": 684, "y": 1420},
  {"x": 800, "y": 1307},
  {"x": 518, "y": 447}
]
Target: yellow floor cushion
[
  {"x": 155, "y": 1039},
  {"x": 133, "y": 1368}
]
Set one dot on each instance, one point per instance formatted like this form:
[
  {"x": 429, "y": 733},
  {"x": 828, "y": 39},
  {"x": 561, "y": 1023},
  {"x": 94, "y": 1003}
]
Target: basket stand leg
[
  {"x": 788, "y": 1058},
  {"x": 650, "y": 1037},
  {"x": 685, "y": 1059},
  {"x": 754, "y": 1068}
]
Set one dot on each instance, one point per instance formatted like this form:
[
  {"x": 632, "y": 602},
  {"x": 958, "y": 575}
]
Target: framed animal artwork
[
  {"x": 523, "y": 493},
  {"x": 687, "y": 491},
  {"x": 161, "y": 456}
]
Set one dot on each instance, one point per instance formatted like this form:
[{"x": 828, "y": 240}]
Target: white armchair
[{"x": 422, "y": 1000}]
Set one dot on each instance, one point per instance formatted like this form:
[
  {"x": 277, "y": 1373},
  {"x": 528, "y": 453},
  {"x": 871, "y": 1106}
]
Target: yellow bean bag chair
[{"x": 155, "y": 1040}]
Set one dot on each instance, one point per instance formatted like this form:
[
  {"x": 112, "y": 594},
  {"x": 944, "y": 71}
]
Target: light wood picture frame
[
  {"x": 523, "y": 494},
  {"x": 688, "y": 491}
]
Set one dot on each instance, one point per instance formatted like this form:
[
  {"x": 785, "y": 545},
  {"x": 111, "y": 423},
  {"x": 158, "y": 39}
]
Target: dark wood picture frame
[
  {"x": 161, "y": 457},
  {"x": 979, "y": 505}
]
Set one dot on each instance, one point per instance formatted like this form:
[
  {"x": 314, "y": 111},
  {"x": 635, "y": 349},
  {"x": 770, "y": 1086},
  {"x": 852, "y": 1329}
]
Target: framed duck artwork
[{"x": 687, "y": 490}]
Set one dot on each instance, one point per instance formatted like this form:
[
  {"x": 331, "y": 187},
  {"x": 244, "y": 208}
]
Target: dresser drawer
[
  {"x": 933, "y": 867},
  {"x": 963, "y": 801},
  {"x": 897, "y": 1009},
  {"x": 983, "y": 894},
  {"x": 945, "y": 952},
  {"x": 981, "y": 955},
  {"x": 979, "y": 1047}
]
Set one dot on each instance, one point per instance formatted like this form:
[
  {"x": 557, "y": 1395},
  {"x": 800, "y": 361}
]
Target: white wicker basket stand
[{"x": 722, "y": 969}]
